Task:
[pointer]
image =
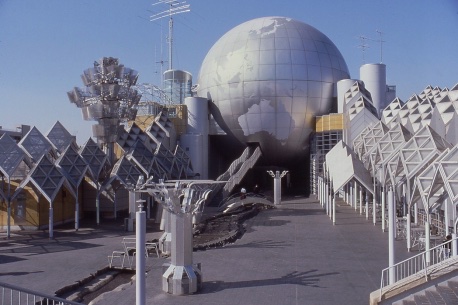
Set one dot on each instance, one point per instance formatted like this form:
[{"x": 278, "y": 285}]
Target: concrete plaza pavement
[{"x": 289, "y": 255}]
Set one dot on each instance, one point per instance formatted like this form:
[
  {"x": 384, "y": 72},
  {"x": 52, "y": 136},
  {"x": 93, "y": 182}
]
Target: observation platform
[{"x": 289, "y": 255}]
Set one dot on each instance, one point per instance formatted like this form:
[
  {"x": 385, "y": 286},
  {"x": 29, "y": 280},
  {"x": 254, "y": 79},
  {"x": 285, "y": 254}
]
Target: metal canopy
[
  {"x": 72, "y": 165},
  {"x": 35, "y": 145},
  {"x": 94, "y": 157},
  {"x": 184, "y": 161},
  {"x": 46, "y": 177},
  {"x": 167, "y": 160},
  {"x": 141, "y": 156},
  {"x": 11, "y": 156},
  {"x": 60, "y": 137},
  {"x": 134, "y": 133},
  {"x": 343, "y": 166},
  {"x": 125, "y": 172}
]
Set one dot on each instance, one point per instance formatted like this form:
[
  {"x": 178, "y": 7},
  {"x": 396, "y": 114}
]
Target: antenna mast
[
  {"x": 175, "y": 7},
  {"x": 381, "y": 45},
  {"x": 363, "y": 46}
]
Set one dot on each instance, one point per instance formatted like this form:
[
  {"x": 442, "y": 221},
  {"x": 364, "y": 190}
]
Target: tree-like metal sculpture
[
  {"x": 182, "y": 276},
  {"x": 108, "y": 99}
]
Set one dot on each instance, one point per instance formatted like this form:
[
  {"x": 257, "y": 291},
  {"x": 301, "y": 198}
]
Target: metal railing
[
  {"x": 14, "y": 295},
  {"x": 420, "y": 264}
]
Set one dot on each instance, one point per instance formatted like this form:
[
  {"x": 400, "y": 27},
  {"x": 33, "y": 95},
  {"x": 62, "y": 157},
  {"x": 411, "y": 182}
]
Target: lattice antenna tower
[
  {"x": 174, "y": 8},
  {"x": 363, "y": 46},
  {"x": 381, "y": 44}
]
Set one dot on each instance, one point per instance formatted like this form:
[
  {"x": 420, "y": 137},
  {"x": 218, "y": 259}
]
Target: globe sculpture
[{"x": 269, "y": 78}]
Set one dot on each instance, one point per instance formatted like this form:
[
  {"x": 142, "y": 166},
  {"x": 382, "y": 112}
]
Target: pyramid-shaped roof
[
  {"x": 11, "y": 155},
  {"x": 35, "y": 145},
  {"x": 60, "y": 137}
]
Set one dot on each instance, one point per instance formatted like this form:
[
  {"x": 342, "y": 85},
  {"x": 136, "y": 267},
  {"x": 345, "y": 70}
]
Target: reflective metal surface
[{"x": 269, "y": 77}]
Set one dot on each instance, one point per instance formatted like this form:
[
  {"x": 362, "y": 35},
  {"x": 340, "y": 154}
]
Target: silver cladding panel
[{"x": 269, "y": 77}]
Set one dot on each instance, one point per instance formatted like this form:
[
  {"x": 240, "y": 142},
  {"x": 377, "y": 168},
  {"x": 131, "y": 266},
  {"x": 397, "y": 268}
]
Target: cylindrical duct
[
  {"x": 195, "y": 142},
  {"x": 342, "y": 87},
  {"x": 374, "y": 78}
]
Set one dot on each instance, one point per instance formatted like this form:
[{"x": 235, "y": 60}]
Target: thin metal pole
[
  {"x": 140, "y": 256},
  {"x": 391, "y": 230}
]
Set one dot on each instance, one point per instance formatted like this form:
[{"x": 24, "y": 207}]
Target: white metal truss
[
  {"x": 420, "y": 150},
  {"x": 448, "y": 167}
]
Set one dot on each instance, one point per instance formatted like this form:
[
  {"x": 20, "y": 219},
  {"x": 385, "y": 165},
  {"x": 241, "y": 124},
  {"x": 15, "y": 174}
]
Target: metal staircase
[{"x": 235, "y": 173}]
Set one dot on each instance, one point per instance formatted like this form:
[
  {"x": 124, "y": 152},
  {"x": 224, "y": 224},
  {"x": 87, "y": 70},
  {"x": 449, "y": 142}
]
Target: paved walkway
[{"x": 289, "y": 255}]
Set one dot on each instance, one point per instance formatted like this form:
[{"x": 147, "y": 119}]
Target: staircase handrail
[
  {"x": 30, "y": 295},
  {"x": 234, "y": 165},
  {"x": 246, "y": 165},
  {"x": 410, "y": 267}
]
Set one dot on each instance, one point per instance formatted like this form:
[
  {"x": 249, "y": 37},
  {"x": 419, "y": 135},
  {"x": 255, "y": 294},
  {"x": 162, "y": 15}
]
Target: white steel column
[
  {"x": 356, "y": 195},
  {"x": 367, "y": 205},
  {"x": 51, "y": 221},
  {"x": 427, "y": 238},
  {"x": 140, "y": 281},
  {"x": 360, "y": 200},
  {"x": 334, "y": 209},
  {"x": 391, "y": 230},
  {"x": 382, "y": 193},
  {"x": 446, "y": 217},
  {"x": 454, "y": 245},
  {"x": 374, "y": 219}
]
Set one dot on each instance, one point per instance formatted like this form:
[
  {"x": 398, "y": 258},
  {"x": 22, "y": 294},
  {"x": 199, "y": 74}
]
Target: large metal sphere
[{"x": 269, "y": 78}]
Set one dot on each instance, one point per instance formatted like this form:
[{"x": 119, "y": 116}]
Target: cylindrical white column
[
  {"x": 334, "y": 209},
  {"x": 51, "y": 221},
  {"x": 446, "y": 217},
  {"x": 391, "y": 230},
  {"x": 374, "y": 78},
  {"x": 342, "y": 87},
  {"x": 140, "y": 232},
  {"x": 382, "y": 191},
  {"x": 454, "y": 245},
  {"x": 198, "y": 124}
]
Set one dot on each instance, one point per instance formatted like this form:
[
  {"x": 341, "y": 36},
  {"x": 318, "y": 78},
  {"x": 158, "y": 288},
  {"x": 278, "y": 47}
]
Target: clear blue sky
[{"x": 46, "y": 45}]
